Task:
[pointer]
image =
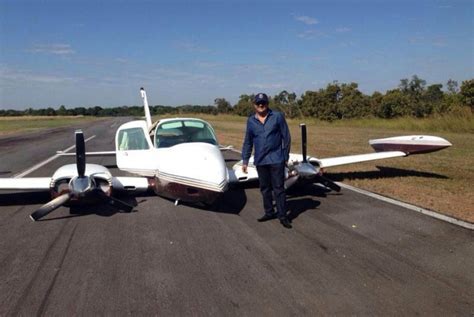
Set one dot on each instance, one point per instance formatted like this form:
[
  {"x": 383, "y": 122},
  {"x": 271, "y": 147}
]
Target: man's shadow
[{"x": 302, "y": 197}]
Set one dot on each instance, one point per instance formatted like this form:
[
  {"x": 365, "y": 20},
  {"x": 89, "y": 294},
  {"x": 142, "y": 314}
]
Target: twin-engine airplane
[{"x": 181, "y": 159}]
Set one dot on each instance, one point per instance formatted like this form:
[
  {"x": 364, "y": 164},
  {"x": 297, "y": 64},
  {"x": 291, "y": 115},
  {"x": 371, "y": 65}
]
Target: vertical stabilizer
[{"x": 145, "y": 106}]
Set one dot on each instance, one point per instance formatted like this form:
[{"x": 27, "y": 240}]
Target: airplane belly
[{"x": 185, "y": 192}]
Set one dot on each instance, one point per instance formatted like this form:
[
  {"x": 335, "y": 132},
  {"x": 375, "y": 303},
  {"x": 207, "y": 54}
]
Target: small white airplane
[{"x": 180, "y": 158}]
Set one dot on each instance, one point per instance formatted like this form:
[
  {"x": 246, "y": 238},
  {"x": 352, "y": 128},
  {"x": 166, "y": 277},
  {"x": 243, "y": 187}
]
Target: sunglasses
[{"x": 262, "y": 104}]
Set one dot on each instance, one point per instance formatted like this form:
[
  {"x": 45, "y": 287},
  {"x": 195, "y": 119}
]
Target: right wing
[{"x": 349, "y": 159}]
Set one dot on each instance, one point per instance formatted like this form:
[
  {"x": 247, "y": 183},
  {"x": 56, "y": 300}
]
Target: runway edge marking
[
  {"x": 52, "y": 158},
  {"x": 427, "y": 212}
]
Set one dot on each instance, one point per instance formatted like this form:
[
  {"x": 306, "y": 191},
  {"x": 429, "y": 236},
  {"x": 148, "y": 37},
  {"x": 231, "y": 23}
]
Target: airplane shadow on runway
[
  {"x": 40, "y": 198},
  {"x": 383, "y": 172}
]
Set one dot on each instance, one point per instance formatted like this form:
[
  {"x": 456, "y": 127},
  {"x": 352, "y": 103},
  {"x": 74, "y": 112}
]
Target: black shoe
[
  {"x": 267, "y": 217},
  {"x": 286, "y": 223}
]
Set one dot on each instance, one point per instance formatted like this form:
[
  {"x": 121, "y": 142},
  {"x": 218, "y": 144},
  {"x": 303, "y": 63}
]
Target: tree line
[{"x": 413, "y": 97}]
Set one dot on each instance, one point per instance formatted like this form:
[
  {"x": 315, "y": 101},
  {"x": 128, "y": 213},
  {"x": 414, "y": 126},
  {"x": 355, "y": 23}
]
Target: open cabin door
[{"x": 134, "y": 150}]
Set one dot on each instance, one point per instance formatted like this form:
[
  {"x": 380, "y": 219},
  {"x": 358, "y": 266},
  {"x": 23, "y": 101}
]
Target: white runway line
[
  {"x": 52, "y": 158},
  {"x": 430, "y": 213}
]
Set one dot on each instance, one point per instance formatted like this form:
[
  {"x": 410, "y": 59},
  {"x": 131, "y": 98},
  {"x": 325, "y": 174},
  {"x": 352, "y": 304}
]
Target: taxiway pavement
[{"x": 347, "y": 254}]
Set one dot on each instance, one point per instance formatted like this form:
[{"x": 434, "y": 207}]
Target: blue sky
[{"x": 87, "y": 53}]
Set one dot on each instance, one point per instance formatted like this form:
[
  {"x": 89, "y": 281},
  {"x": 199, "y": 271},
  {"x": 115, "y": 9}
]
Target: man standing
[{"x": 267, "y": 132}]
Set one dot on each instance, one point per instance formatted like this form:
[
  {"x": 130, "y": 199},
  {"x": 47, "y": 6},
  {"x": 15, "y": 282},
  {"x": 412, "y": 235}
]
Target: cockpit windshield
[{"x": 178, "y": 131}]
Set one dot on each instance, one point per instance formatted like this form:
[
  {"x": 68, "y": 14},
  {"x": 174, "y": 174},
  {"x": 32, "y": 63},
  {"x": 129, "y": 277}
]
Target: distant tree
[
  {"x": 244, "y": 106},
  {"x": 394, "y": 104},
  {"x": 62, "y": 111},
  {"x": 452, "y": 86},
  {"x": 222, "y": 105},
  {"x": 352, "y": 103},
  {"x": 467, "y": 93},
  {"x": 287, "y": 103}
]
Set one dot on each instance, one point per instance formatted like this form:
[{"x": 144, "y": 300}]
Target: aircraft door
[{"x": 134, "y": 149}]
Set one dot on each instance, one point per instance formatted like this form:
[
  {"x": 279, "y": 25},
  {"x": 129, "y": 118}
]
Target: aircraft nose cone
[{"x": 197, "y": 164}]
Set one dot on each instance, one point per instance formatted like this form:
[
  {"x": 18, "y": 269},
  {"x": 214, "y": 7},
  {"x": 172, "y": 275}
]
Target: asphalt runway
[{"x": 347, "y": 254}]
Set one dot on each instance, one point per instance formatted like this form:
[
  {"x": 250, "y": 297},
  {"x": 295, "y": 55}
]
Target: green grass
[
  {"x": 26, "y": 124},
  {"x": 460, "y": 123}
]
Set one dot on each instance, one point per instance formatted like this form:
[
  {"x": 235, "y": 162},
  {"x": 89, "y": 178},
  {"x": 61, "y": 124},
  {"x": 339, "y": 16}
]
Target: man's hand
[{"x": 244, "y": 168}]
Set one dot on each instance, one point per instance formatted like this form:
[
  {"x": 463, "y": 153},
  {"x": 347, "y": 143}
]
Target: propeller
[
  {"x": 80, "y": 153},
  {"x": 303, "y": 142},
  {"x": 327, "y": 182},
  {"x": 80, "y": 187},
  {"x": 119, "y": 204},
  {"x": 306, "y": 170}
]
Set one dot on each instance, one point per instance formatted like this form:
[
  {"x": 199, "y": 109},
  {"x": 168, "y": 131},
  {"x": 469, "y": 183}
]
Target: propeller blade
[
  {"x": 120, "y": 204},
  {"x": 114, "y": 201},
  {"x": 328, "y": 183},
  {"x": 303, "y": 142},
  {"x": 80, "y": 153},
  {"x": 50, "y": 206}
]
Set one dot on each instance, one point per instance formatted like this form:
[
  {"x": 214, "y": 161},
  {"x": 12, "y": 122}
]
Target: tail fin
[{"x": 147, "y": 109}]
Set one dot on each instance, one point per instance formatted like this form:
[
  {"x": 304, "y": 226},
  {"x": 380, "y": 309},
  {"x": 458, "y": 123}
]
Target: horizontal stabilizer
[
  {"x": 342, "y": 160},
  {"x": 26, "y": 184}
]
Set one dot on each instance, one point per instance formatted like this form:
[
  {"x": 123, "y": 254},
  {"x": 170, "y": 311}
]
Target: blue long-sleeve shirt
[{"x": 271, "y": 140}]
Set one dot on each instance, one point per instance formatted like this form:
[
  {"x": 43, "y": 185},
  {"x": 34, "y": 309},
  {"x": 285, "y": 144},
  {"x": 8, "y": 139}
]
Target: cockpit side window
[
  {"x": 132, "y": 139},
  {"x": 182, "y": 131}
]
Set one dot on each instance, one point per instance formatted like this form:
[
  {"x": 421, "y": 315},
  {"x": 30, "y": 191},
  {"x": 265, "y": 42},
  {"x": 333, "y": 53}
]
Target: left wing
[
  {"x": 99, "y": 153},
  {"x": 26, "y": 184}
]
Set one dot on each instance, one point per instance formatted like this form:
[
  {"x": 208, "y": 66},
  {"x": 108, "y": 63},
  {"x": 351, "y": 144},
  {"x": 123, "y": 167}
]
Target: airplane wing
[
  {"x": 26, "y": 184},
  {"x": 131, "y": 184},
  {"x": 99, "y": 153},
  {"x": 349, "y": 159}
]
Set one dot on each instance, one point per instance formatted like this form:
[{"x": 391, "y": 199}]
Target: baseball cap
[{"x": 261, "y": 98}]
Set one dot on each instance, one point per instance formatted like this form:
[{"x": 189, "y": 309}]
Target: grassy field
[
  {"x": 10, "y": 125},
  {"x": 441, "y": 181}
]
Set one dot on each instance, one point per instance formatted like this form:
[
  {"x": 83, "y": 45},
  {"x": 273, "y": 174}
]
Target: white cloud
[
  {"x": 262, "y": 86},
  {"x": 311, "y": 34},
  {"x": 306, "y": 19},
  {"x": 343, "y": 30},
  {"x": 439, "y": 42},
  {"x": 192, "y": 47},
  {"x": 55, "y": 49},
  {"x": 31, "y": 77}
]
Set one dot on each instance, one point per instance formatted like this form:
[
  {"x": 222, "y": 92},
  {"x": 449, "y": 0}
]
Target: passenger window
[{"x": 132, "y": 139}]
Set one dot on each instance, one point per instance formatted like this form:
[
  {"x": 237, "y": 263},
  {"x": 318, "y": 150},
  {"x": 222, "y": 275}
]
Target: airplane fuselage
[{"x": 183, "y": 162}]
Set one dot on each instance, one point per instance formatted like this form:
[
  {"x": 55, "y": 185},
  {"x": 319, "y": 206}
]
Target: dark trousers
[{"x": 272, "y": 178}]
